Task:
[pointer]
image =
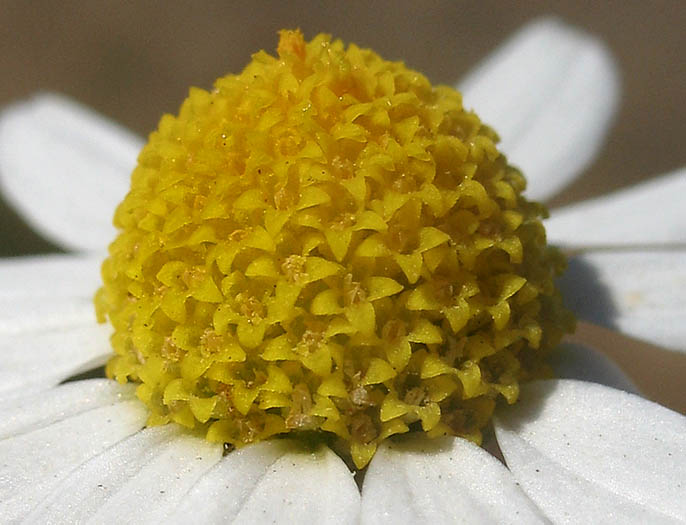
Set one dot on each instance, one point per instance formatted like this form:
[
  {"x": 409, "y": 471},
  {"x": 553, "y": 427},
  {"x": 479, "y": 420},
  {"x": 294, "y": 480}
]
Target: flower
[
  {"x": 327, "y": 242},
  {"x": 79, "y": 450}
]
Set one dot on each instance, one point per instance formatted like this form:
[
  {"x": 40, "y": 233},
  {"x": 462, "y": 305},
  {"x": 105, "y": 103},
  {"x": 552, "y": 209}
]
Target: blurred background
[{"x": 134, "y": 61}]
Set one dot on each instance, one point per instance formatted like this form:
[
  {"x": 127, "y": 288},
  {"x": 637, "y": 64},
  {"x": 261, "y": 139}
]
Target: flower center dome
[{"x": 325, "y": 242}]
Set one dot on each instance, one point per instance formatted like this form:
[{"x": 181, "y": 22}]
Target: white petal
[
  {"x": 650, "y": 213},
  {"x": 48, "y": 329},
  {"x": 50, "y": 276},
  {"x": 65, "y": 169},
  {"x": 42, "y": 359},
  {"x": 586, "y": 453},
  {"x": 550, "y": 92},
  {"x": 41, "y": 313},
  {"x": 639, "y": 293},
  {"x": 273, "y": 482},
  {"x": 47, "y": 292},
  {"x": 576, "y": 361},
  {"x": 442, "y": 481},
  {"x": 32, "y": 464},
  {"x": 139, "y": 480},
  {"x": 38, "y": 410}
]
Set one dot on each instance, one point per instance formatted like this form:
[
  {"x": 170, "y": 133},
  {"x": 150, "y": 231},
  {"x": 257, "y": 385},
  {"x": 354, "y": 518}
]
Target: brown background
[{"x": 134, "y": 61}]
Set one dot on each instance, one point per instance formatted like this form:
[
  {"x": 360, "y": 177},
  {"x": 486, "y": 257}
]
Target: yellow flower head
[{"x": 328, "y": 243}]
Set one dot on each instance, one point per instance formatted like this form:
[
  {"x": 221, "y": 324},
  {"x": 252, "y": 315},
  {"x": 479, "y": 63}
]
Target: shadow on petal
[{"x": 585, "y": 295}]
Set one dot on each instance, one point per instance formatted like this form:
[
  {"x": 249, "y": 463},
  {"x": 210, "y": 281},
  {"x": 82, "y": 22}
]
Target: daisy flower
[{"x": 584, "y": 448}]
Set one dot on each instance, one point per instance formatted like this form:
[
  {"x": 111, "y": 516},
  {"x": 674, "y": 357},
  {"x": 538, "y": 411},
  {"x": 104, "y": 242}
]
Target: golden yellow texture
[{"x": 326, "y": 242}]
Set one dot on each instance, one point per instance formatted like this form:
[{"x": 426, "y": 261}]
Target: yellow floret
[{"x": 328, "y": 243}]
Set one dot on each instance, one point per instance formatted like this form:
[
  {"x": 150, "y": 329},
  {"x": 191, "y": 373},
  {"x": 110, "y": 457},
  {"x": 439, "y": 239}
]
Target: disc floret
[{"x": 325, "y": 242}]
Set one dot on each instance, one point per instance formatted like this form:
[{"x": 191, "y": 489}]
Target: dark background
[{"x": 134, "y": 61}]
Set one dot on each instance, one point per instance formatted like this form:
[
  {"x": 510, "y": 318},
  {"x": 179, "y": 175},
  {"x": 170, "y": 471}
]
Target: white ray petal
[
  {"x": 138, "y": 480},
  {"x": 550, "y": 92},
  {"x": 50, "y": 276},
  {"x": 586, "y": 453},
  {"x": 443, "y": 481},
  {"x": 44, "y": 294},
  {"x": 576, "y": 361},
  {"x": 65, "y": 169},
  {"x": 32, "y": 464},
  {"x": 650, "y": 213},
  {"x": 47, "y": 321},
  {"x": 38, "y": 410},
  {"x": 640, "y": 293},
  {"x": 32, "y": 313},
  {"x": 44, "y": 358},
  {"x": 273, "y": 482}
]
